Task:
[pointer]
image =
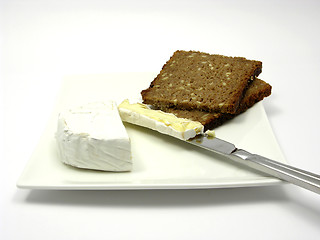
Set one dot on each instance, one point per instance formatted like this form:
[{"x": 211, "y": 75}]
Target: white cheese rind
[
  {"x": 93, "y": 137},
  {"x": 166, "y": 123}
]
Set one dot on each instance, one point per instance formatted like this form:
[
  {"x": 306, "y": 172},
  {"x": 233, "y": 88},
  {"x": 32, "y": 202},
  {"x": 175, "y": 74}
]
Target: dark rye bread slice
[
  {"x": 196, "y": 80},
  {"x": 256, "y": 91}
]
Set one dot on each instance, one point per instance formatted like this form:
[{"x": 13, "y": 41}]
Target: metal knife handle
[{"x": 282, "y": 171}]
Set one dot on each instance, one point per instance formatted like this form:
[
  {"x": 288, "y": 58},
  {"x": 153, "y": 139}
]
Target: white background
[{"x": 42, "y": 41}]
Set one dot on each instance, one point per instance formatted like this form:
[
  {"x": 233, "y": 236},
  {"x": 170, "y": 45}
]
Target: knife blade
[{"x": 299, "y": 177}]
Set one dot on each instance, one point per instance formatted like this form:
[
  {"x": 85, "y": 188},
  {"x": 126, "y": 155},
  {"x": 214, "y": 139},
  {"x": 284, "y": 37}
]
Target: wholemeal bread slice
[
  {"x": 195, "y": 80},
  {"x": 256, "y": 91}
]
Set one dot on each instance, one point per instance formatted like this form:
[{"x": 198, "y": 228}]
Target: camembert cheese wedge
[
  {"x": 93, "y": 137},
  {"x": 166, "y": 123}
]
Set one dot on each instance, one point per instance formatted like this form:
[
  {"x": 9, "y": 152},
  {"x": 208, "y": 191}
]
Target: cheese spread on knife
[
  {"x": 166, "y": 123},
  {"x": 93, "y": 137}
]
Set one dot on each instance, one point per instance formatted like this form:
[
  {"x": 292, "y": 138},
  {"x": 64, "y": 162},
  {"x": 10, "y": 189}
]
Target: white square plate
[{"x": 160, "y": 161}]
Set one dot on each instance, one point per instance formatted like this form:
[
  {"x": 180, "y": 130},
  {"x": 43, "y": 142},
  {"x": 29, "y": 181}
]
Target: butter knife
[{"x": 276, "y": 169}]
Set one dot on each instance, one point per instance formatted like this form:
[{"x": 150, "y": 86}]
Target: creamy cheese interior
[{"x": 141, "y": 114}]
